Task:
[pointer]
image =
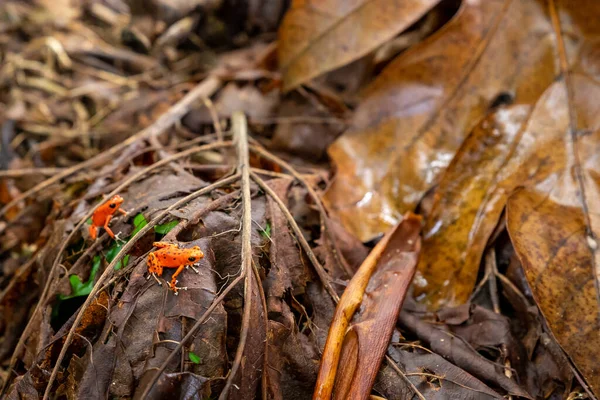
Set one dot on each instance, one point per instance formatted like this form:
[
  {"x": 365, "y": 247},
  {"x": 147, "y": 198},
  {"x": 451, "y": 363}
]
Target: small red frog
[
  {"x": 170, "y": 255},
  {"x": 104, "y": 214}
]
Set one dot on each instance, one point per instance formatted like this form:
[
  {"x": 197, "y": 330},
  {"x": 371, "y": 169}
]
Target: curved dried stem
[
  {"x": 204, "y": 89},
  {"x": 311, "y": 191},
  {"x": 263, "y": 301},
  {"x": 240, "y": 133},
  {"x": 240, "y": 129},
  {"x": 17, "y": 173},
  {"x": 110, "y": 269},
  {"x": 57, "y": 260},
  {"x": 323, "y": 276}
]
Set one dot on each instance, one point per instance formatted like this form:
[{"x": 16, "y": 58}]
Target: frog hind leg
[
  {"x": 173, "y": 283},
  {"x": 93, "y": 231},
  {"x": 154, "y": 267},
  {"x": 106, "y": 228}
]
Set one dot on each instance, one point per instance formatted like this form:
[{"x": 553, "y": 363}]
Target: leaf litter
[{"x": 494, "y": 147}]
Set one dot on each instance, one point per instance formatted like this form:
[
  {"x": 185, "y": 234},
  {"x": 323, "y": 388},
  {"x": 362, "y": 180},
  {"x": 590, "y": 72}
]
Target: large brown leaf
[
  {"x": 318, "y": 36},
  {"x": 419, "y": 110},
  {"x": 554, "y": 225},
  {"x": 497, "y": 157},
  {"x": 468, "y": 205}
]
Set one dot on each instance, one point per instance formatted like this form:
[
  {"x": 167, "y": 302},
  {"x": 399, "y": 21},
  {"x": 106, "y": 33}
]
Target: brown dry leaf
[
  {"x": 554, "y": 223},
  {"x": 418, "y": 111},
  {"x": 316, "y": 37},
  {"x": 467, "y": 205}
]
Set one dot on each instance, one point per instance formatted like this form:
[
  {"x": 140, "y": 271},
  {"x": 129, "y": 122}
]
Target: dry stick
[
  {"x": 204, "y": 89},
  {"x": 17, "y": 173},
  {"x": 263, "y": 301},
  {"x": 111, "y": 267},
  {"x": 323, "y": 213},
  {"x": 215, "y": 118},
  {"x": 57, "y": 260},
  {"x": 325, "y": 278},
  {"x": 240, "y": 128}
]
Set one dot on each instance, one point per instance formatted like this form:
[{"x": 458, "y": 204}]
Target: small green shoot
[
  {"x": 267, "y": 231},
  {"x": 89, "y": 221},
  {"x": 163, "y": 229},
  {"x": 194, "y": 358}
]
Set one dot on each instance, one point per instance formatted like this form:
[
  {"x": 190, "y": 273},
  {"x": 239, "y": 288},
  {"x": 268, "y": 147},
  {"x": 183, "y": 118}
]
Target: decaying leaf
[
  {"x": 554, "y": 225},
  {"x": 318, "y": 36},
  {"x": 418, "y": 111}
]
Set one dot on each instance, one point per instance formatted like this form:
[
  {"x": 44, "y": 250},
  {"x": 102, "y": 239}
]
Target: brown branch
[{"x": 240, "y": 129}]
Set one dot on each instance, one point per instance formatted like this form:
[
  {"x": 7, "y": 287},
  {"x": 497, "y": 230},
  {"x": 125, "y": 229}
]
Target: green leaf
[
  {"x": 79, "y": 288},
  {"x": 89, "y": 221},
  {"x": 194, "y": 358},
  {"x": 165, "y": 228},
  {"x": 112, "y": 253},
  {"x": 138, "y": 223},
  {"x": 267, "y": 231}
]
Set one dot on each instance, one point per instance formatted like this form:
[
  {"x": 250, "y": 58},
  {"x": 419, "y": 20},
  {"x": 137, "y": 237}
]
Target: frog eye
[
  {"x": 112, "y": 205},
  {"x": 192, "y": 258}
]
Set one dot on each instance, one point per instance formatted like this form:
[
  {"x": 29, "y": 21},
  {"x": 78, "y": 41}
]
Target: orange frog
[
  {"x": 104, "y": 214},
  {"x": 170, "y": 255}
]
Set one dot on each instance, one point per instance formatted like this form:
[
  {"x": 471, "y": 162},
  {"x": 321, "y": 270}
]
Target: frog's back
[{"x": 171, "y": 257}]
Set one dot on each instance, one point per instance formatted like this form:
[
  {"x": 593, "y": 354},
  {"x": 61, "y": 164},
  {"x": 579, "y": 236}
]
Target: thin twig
[
  {"x": 110, "y": 270},
  {"x": 240, "y": 129},
  {"x": 263, "y": 301},
  {"x": 215, "y": 118},
  {"x": 17, "y": 173},
  {"x": 204, "y": 89}
]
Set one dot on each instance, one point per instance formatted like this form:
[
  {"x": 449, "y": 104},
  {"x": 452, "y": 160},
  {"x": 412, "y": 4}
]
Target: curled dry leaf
[
  {"x": 367, "y": 339},
  {"x": 316, "y": 37},
  {"x": 417, "y": 112},
  {"x": 352, "y": 356}
]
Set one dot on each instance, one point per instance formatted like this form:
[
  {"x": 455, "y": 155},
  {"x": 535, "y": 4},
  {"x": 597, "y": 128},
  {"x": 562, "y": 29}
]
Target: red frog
[
  {"x": 104, "y": 214},
  {"x": 170, "y": 255}
]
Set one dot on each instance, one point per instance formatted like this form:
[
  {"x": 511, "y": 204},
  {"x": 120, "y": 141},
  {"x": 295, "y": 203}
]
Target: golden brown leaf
[
  {"x": 421, "y": 107},
  {"x": 468, "y": 203},
  {"x": 318, "y": 36},
  {"x": 554, "y": 225}
]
